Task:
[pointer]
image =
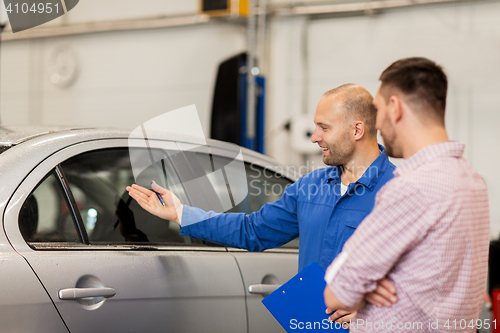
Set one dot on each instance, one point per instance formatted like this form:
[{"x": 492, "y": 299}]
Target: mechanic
[
  {"x": 325, "y": 206},
  {"x": 429, "y": 230}
]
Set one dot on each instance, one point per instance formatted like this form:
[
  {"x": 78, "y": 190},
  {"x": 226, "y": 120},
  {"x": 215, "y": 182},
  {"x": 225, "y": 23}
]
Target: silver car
[{"x": 77, "y": 255}]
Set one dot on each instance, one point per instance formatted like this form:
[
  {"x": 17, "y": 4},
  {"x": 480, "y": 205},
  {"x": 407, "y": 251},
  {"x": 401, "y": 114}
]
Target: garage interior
[{"x": 116, "y": 63}]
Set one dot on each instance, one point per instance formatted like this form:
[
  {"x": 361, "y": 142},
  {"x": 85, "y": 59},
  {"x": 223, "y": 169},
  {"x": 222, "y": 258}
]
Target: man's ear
[
  {"x": 396, "y": 108},
  {"x": 359, "y": 130}
]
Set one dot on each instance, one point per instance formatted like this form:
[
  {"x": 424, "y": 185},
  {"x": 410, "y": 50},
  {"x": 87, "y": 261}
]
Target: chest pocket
[{"x": 353, "y": 220}]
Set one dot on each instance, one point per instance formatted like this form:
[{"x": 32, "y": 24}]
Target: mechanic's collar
[{"x": 370, "y": 177}]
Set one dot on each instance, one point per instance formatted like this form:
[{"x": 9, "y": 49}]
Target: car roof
[
  {"x": 13, "y": 135},
  {"x": 16, "y": 135}
]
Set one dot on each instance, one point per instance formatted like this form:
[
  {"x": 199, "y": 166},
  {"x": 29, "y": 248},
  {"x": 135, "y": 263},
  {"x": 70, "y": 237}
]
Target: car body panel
[
  {"x": 24, "y": 305},
  {"x": 275, "y": 268},
  {"x": 155, "y": 290}
]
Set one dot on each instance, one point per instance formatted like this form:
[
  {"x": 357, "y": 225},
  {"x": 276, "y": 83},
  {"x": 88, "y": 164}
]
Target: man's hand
[
  {"x": 149, "y": 201},
  {"x": 384, "y": 295},
  {"x": 342, "y": 317}
]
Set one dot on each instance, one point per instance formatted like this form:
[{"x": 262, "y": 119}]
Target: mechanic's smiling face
[{"x": 332, "y": 131}]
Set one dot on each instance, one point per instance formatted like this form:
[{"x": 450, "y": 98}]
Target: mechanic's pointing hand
[{"x": 149, "y": 201}]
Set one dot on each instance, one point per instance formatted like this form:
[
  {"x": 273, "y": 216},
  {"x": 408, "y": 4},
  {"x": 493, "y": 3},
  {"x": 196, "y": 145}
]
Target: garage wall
[
  {"x": 110, "y": 10},
  {"x": 464, "y": 38},
  {"x": 123, "y": 78}
]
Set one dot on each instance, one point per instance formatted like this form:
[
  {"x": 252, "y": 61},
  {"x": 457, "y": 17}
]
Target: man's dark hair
[
  {"x": 421, "y": 80},
  {"x": 358, "y": 105}
]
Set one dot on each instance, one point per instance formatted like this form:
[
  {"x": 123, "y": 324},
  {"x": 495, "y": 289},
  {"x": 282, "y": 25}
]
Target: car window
[
  {"x": 262, "y": 185},
  {"x": 45, "y": 216},
  {"x": 98, "y": 181}
]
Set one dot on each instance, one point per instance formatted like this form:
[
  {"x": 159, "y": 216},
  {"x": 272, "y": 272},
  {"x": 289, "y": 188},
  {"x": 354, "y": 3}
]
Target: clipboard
[{"x": 298, "y": 305}]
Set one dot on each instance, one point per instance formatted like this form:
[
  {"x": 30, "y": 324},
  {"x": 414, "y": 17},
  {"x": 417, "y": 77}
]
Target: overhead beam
[
  {"x": 355, "y": 7},
  {"x": 106, "y": 26}
]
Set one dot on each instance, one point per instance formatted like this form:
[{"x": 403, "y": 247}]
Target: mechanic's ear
[{"x": 359, "y": 130}]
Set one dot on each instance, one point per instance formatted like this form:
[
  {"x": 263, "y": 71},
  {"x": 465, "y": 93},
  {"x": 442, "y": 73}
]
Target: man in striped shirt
[{"x": 429, "y": 230}]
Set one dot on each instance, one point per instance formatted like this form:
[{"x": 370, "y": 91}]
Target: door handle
[
  {"x": 77, "y": 293},
  {"x": 263, "y": 288}
]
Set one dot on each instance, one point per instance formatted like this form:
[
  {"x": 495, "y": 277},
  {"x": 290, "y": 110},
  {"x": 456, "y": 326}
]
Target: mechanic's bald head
[{"x": 357, "y": 104}]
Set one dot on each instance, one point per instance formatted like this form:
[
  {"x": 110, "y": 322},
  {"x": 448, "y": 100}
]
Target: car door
[
  {"x": 264, "y": 272},
  {"x": 109, "y": 266},
  {"x": 261, "y": 272}
]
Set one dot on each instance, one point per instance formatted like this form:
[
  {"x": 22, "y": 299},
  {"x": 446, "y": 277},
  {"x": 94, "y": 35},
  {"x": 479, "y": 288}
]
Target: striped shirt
[{"x": 429, "y": 235}]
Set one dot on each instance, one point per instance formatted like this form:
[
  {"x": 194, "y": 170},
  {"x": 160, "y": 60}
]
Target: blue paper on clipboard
[{"x": 298, "y": 305}]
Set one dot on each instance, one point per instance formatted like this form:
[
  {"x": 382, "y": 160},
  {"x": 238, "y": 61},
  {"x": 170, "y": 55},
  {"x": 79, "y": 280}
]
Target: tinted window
[
  {"x": 261, "y": 185},
  {"x": 45, "y": 216},
  {"x": 98, "y": 181}
]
